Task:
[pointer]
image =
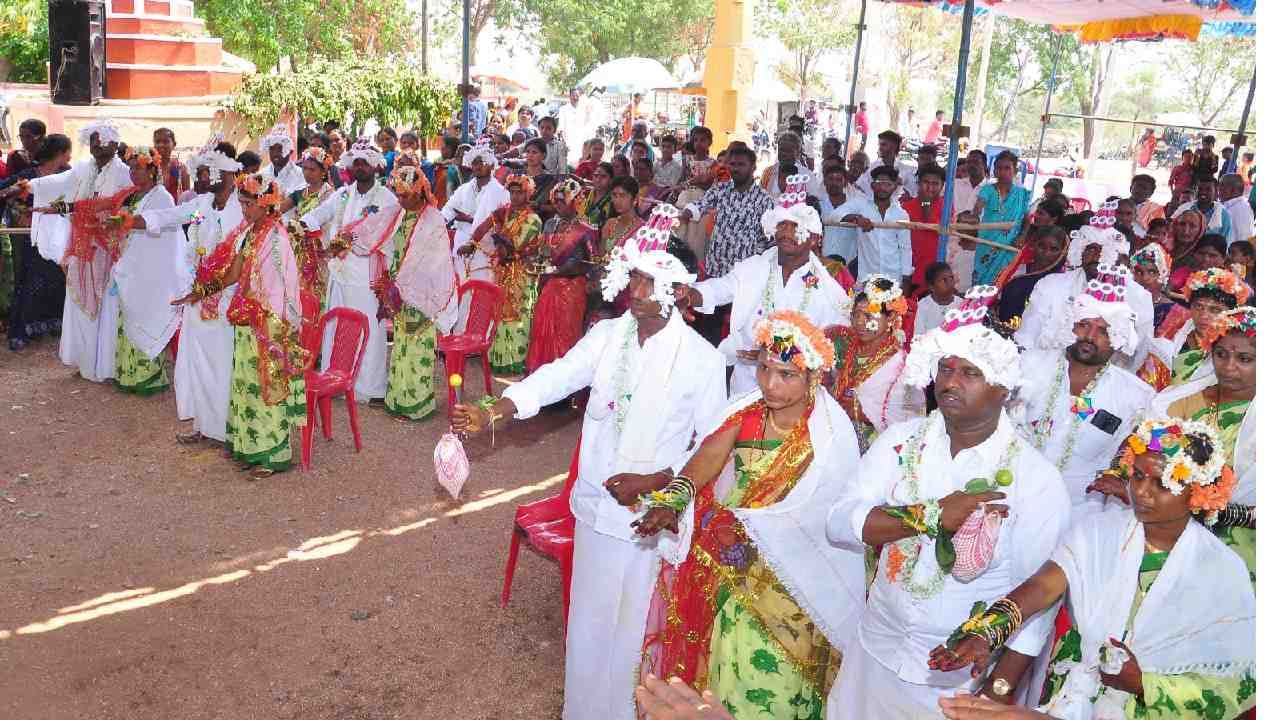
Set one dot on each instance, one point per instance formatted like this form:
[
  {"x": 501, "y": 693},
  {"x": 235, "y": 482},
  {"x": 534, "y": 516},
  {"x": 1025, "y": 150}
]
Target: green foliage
[
  {"x": 808, "y": 29},
  {"x": 1216, "y": 72},
  {"x": 265, "y": 31},
  {"x": 24, "y": 40},
  {"x": 577, "y": 35},
  {"x": 392, "y": 93}
]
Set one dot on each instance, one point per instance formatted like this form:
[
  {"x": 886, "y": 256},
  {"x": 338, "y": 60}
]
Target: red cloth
[
  {"x": 557, "y": 320},
  {"x": 1181, "y": 177},
  {"x": 933, "y": 133},
  {"x": 860, "y": 122},
  {"x": 924, "y": 243},
  {"x": 585, "y": 169}
]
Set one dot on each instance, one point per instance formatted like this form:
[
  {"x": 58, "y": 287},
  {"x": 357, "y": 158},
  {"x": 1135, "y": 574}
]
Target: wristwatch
[{"x": 1000, "y": 687}]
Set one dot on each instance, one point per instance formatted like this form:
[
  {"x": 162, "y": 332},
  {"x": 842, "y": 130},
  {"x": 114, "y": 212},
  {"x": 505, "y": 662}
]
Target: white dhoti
[
  {"x": 613, "y": 583},
  {"x": 866, "y": 690},
  {"x": 89, "y": 344},
  {"x": 371, "y": 382},
  {"x": 202, "y": 372}
]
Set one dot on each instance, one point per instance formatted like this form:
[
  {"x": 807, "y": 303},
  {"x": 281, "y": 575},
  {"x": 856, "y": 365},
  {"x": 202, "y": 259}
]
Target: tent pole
[
  {"x": 466, "y": 68},
  {"x": 1244, "y": 120},
  {"x": 1044, "y": 119},
  {"x": 853, "y": 86},
  {"x": 957, "y": 111}
]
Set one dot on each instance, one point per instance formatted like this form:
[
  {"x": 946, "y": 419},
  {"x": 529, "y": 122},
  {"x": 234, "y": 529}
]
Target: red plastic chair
[
  {"x": 475, "y": 339},
  {"x": 350, "y": 337},
  {"x": 547, "y": 525},
  {"x": 1080, "y": 204}
]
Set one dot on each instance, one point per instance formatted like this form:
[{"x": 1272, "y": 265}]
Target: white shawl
[
  {"x": 1198, "y": 616},
  {"x": 149, "y": 275},
  {"x": 1244, "y": 461},
  {"x": 828, "y": 582},
  {"x": 885, "y": 394}
]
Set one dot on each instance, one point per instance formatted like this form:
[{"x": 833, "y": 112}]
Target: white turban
[
  {"x": 963, "y": 335},
  {"x": 279, "y": 135},
  {"x": 1103, "y": 297},
  {"x": 362, "y": 149},
  {"x": 104, "y": 128}
]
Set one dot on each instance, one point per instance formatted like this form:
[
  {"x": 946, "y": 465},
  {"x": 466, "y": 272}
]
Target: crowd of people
[{"x": 822, "y": 472}]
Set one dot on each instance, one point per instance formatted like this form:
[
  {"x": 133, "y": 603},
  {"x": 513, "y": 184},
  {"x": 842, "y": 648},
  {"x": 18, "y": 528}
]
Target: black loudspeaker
[{"x": 77, "y": 51}]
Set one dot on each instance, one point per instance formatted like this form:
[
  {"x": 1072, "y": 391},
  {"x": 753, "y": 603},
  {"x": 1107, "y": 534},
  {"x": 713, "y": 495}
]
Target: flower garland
[
  {"x": 904, "y": 554},
  {"x": 621, "y": 402},
  {"x": 792, "y": 337},
  {"x": 1081, "y": 410},
  {"x": 1210, "y": 479},
  {"x": 810, "y": 279}
]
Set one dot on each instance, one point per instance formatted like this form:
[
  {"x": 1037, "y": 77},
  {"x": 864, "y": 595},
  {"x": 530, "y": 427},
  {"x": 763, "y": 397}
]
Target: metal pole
[
  {"x": 466, "y": 68},
  {"x": 1048, "y": 101},
  {"x": 957, "y": 112},
  {"x": 853, "y": 86},
  {"x": 1244, "y": 120},
  {"x": 426, "y": 20}
]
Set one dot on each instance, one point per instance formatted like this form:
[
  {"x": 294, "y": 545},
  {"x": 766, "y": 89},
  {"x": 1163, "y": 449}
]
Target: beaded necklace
[
  {"x": 1044, "y": 425},
  {"x": 910, "y": 547}
]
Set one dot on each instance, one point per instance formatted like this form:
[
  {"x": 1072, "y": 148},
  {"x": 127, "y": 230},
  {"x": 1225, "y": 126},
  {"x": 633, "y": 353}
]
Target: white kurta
[
  {"x": 756, "y": 289},
  {"x": 349, "y": 281},
  {"x": 290, "y": 176},
  {"x": 1052, "y": 296},
  {"x": 202, "y": 369},
  {"x": 86, "y": 343},
  {"x": 672, "y": 397},
  {"x": 890, "y": 677},
  {"x": 150, "y": 274},
  {"x": 1117, "y": 392},
  {"x": 479, "y": 203}
]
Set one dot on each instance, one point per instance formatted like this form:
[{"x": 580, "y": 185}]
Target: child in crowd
[{"x": 942, "y": 296}]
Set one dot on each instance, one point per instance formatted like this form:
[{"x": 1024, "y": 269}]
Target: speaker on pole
[{"x": 77, "y": 51}]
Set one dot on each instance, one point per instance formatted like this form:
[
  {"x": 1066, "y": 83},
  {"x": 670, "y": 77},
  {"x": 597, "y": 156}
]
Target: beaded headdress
[
  {"x": 1223, "y": 281},
  {"x": 209, "y": 156},
  {"x": 264, "y": 190},
  {"x": 409, "y": 178},
  {"x": 104, "y": 128},
  {"x": 362, "y": 149},
  {"x": 1155, "y": 255},
  {"x": 1193, "y": 459},
  {"x": 1100, "y": 231},
  {"x": 1243, "y": 320},
  {"x": 646, "y": 251},
  {"x": 567, "y": 189},
  {"x": 279, "y": 135},
  {"x": 524, "y": 182},
  {"x": 795, "y": 339},
  {"x": 964, "y": 334},
  {"x": 792, "y": 208},
  {"x": 1103, "y": 297},
  {"x": 318, "y": 156},
  {"x": 483, "y": 150}
]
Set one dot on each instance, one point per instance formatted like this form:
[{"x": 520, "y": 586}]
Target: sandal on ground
[
  {"x": 190, "y": 438},
  {"x": 261, "y": 473}
]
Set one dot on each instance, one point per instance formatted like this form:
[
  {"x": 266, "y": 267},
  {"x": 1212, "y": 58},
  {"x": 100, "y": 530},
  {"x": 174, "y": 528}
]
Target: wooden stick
[
  {"x": 14, "y": 231},
  {"x": 911, "y": 225}
]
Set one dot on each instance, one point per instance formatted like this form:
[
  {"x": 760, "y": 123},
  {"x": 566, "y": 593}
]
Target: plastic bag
[{"x": 452, "y": 466}]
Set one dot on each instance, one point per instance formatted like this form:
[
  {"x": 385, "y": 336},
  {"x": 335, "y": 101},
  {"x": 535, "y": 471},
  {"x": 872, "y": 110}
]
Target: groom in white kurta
[
  {"x": 468, "y": 207},
  {"x": 657, "y": 390},
  {"x": 349, "y": 273},
  {"x": 87, "y": 343},
  {"x": 788, "y": 276}
]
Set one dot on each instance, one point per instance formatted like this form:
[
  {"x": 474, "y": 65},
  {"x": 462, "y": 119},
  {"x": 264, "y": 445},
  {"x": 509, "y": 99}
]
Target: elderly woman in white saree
[{"x": 1162, "y": 613}]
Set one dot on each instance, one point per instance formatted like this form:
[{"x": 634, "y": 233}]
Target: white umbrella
[{"x": 629, "y": 75}]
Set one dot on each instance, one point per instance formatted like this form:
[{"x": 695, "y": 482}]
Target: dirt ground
[{"x": 143, "y": 579}]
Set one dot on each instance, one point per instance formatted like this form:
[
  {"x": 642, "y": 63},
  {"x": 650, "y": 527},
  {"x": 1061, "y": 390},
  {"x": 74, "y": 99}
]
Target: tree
[
  {"x": 267, "y": 31},
  {"x": 922, "y": 43},
  {"x": 1012, "y": 74},
  {"x": 391, "y": 93},
  {"x": 24, "y": 40},
  {"x": 503, "y": 14},
  {"x": 1084, "y": 72},
  {"x": 1216, "y": 72},
  {"x": 809, "y": 30},
  {"x": 577, "y": 35}
]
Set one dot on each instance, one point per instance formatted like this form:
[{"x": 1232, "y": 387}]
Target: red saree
[{"x": 562, "y": 303}]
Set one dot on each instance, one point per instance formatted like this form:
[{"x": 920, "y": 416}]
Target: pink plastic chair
[
  {"x": 476, "y": 338},
  {"x": 350, "y": 337}
]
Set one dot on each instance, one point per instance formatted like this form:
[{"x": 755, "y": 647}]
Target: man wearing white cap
[
  {"x": 469, "y": 206},
  {"x": 202, "y": 369},
  {"x": 90, "y": 313},
  {"x": 277, "y": 146},
  {"x": 656, "y": 392},
  {"x": 1097, "y": 243},
  {"x": 921, "y": 495},
  {"x": 1076, "y": 407},
  {"x": 349, "y": 269},
  {"x": 787, "y": 276}
]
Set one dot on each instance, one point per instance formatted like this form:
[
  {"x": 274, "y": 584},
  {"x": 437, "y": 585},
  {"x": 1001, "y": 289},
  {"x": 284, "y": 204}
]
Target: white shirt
[
  {"x": 1116, "y": 391},
  {"x": 756, "y": 289},
  {"x": 345, "y": 206},
  {"x": 475, "y": 201},
  {"x": 842, "y": 241},
  {"x": 693, "y": 385},
  {"x": 929, "y": 314},
  {"x": 1241, "y": 219},
  {"x": 51, "y": 233},
  {"x": 775, "y": 186},
  {"x": 290, "y": 176},
  {"x": 964, "y": 195},
  {"x": 203, "y": 232},
  {"x": 883, "y": 251},
  {"x": 572, "y": 121},
  {"x": 900, "y": 630},
  {"x": 906, "y": 179},
  {"x": 1053, "y": 293},
  {"x": 668, "y": 174}
]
